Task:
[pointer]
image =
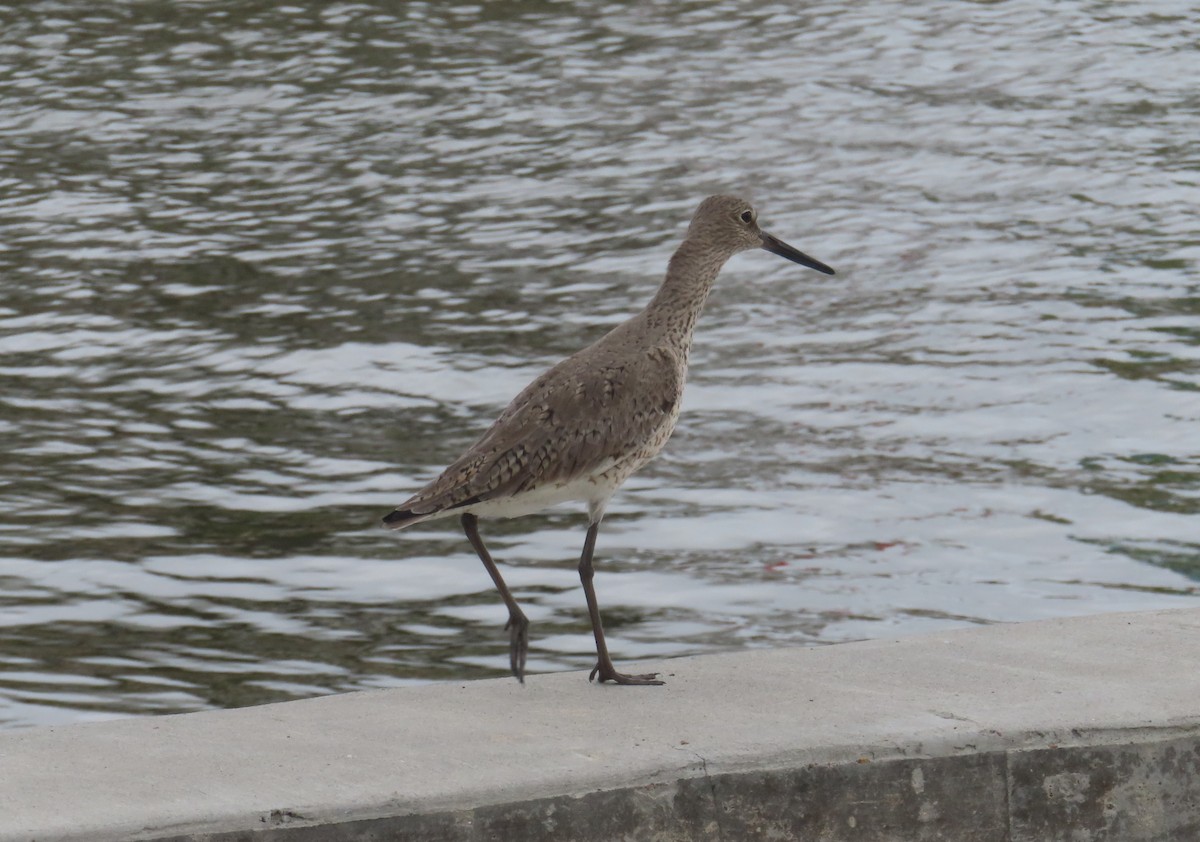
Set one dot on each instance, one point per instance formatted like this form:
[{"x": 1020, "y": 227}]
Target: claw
[
  {"x": 518, "y": 646},
  {"x": 608, "y": 673}
]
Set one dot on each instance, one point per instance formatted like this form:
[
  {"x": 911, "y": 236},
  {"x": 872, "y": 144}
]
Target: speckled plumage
[
  {"x": 595, "y": 417},
  {"x": 583, "y": 427}
]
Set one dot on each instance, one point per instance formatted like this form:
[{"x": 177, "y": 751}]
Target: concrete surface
[{"x": 1081, "y": 729}]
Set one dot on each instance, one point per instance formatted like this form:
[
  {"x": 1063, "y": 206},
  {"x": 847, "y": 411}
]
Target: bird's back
[{"x": 576, "y": 432}]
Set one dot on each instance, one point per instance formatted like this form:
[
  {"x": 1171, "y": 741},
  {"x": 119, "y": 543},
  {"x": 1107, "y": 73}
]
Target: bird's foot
[
  {"x": 608, "y": 673},
  {"x": 518, "y": 643}
]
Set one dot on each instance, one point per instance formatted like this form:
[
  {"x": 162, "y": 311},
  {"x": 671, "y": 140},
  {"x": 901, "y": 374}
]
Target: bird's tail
[
  {"x": 423, "y": 507},
  {"x": 405, "y": 517}
]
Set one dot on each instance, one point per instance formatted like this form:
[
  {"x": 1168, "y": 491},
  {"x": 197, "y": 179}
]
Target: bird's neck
[{"x": 677, "y": 304}]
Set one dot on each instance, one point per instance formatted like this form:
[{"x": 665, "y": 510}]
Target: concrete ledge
[{"x": 1068, "y": 729}]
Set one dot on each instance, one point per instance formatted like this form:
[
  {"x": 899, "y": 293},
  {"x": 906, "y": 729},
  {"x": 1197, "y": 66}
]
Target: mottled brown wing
[{"x": 579, "y": 417}]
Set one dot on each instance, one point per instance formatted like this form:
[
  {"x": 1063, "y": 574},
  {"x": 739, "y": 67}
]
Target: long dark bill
[{"x": 779, "y": 247}]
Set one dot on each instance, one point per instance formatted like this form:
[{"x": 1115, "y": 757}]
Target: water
[{"x": 265, "y": 269}]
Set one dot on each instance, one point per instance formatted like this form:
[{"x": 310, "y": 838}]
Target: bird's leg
[
  {"x": 604, "y": 665},
  {"x": 518, "y": 623}
]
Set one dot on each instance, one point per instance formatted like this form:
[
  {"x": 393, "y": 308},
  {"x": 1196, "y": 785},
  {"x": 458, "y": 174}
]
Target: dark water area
[{"x": 265, "y": 269}]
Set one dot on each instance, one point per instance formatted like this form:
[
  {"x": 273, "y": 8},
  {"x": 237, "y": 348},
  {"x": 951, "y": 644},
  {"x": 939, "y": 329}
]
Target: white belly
[{"x": 594, "y": 491}]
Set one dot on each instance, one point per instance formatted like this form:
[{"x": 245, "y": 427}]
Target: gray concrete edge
[
  {"x": 1099, "y": 789},
  {"x": 1088, "y": 726}
]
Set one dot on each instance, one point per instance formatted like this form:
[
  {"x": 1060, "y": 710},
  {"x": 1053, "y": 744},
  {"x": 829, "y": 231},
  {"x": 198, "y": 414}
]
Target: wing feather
[{"x": 577, "y": 419}]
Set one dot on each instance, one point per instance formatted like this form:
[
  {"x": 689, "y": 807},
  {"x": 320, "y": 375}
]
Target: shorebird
[{"x": 582, "y": 428}]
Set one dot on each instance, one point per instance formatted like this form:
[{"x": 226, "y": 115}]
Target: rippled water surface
[{"x": 266, "y": 268}]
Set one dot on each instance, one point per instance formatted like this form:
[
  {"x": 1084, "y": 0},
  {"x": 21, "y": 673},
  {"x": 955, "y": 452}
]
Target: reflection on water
[{"x": 266, "y": 269}]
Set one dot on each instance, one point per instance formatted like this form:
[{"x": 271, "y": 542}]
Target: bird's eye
[{"x": 747, "y": 217}]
